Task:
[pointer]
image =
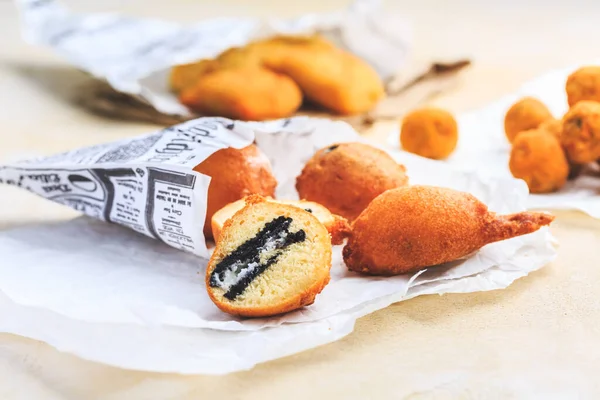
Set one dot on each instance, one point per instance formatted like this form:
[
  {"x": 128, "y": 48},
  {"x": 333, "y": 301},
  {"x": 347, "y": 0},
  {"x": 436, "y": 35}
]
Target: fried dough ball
[
  {"x": 429, "y": 132},
  {"x": 247, "y": 93},
  {"x": 538, "y": 159},
  {"x": 235, "y": 173},
  {"x": 345, "y": 177},
  {"x": 527, "y": 113},
  {"x": 331, "y": 78},
  {"x": 415, "y": 227},
  {"x": 581, "y": 132},
  {"x": 583, "y": 84},
  {"x": 552, "y": 126}
]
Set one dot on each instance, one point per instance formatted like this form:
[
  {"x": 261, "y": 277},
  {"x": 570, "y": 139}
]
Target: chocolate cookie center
[{"x": 240, "y": 267}]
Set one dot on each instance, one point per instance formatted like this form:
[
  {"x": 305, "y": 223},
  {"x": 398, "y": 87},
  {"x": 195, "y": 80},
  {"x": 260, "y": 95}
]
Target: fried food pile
[
  {"x": 547, "y": 151},
  {"x": 271, "y": 78}
]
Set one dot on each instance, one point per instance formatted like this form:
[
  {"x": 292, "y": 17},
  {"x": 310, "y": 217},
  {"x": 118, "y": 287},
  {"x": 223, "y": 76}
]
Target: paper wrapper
[
  {"x": 483, "y": 146},
  {"x": 117, "y": 296}
]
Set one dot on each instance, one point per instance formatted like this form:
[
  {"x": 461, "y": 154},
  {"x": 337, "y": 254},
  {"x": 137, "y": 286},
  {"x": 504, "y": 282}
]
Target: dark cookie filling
[
  {"x": 308, "y": 210},
  {"x": 239, "y": 268},
  {"x": 331, "y": 148}
]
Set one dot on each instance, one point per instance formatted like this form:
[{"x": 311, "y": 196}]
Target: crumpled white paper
[
  {"x": 482, "y": 144},
  {"x": 134, "y": 55},
  {"x": 112, "y": 295}
]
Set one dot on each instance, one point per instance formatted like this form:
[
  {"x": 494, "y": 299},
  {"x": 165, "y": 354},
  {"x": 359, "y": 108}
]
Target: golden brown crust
[
  {"x": 538, "y": 158},
  {"x": 429, "y": 132},
  {"x": 581, "y": 132},
  {"x": 411, "y": 228},
  {"x": 235, "y": 173},
  {"x": 247, "y": 93},
  {"x": 339, "y": 229},
  {"x": 583, "y": 84},
  {"x": 345, "y": 177},
  {"x": 526, "y": 114},
  {"x": 299, "y": 300}
]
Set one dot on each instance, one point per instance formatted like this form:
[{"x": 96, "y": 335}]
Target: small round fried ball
[
  {"x": 527, "y": 113},
  {"x": 537, "y": 158},
  {"x": 429, "y": 132},
  {"x": 235, "y": 173},
  {"x": 345, "y": 177},
  {"x": 552, "y": 126},
  {"x": 583, "y": 84},
  {"x": 581, "y": 132}
]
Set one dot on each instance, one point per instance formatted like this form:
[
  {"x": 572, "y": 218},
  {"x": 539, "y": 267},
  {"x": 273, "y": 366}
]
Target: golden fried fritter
[
  {"x": 345, "y": 177},
  {"x": 414, "y": 227},
  {"x": 552, "y": 126},
  {"x": 235, "y": 173},
  {"x": 581, "y": 132},
  {"x": 527, "y": 113},
  {"x": 331, "y": 78},
  {"x": 583, "y": 84},
  {"x": 538, "y": 159},
  {"x": 429, "y": 132},
  {"x": 186, "y": 75},
  {"x": 247, "y": 93}
]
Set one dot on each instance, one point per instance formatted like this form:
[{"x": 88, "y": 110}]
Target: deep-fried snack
[
  {"x": 235, "y": 173},
  {"x": 331, "y": 78},
  {"x": 272, "y": 258},
  {"x": 429, "y": 132},
  {"x": 526, "y": 114},
  {"x": 345, "y": 177},
  {"x": 581, "y": 132},
  {"x": 248, "y": 93},
  {"x": 538, "y": 159},
  {"x": 552, "y": 126},
  {"x": 415, "y": 227},
  {"x": 186, "y": 75},
  {"x": 583, "y": 84},
  {"x": 338, "y": 227}
]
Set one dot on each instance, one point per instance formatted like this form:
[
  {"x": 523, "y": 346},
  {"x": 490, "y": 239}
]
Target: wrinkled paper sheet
[
  {"x": 134, "y": 55},
  {"x": 135, "y": 300},
  {"x": 483, "y": 146}
]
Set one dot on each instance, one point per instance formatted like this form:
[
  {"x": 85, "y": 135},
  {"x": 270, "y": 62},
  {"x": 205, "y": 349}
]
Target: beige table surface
[{"x": 540, "y": 338}]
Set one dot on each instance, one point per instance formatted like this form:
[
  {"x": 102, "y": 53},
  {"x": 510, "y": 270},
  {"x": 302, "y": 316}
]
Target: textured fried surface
[
  {"x": 581, "y": 132},
  {"x": 552, "y": 126},
  {"x": 583, "y": 84},
  {"x": 186, "y": 75},
  {"x": 235, "y": 174},
  {"x": 429, "y": 132},
  {"x": 294, "y": 281},
  {"x": 411, "y": 228},
  {"x": 526, "y": 114},
  {"x": 538, "y": 158},
  {"x": 248, "y": 93},
  {"x": 345, "y": 177}
]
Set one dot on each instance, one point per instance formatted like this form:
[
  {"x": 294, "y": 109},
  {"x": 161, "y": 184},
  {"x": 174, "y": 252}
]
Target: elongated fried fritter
[
  {"x": 247, "y": 93},
  {"x": 414, "y": 227}
]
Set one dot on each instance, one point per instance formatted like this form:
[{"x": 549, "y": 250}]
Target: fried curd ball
[
  {"x": 552, "y": 126},
  {"x": 583, "y": 84},
  {"x": 526, "y": 114},
  {"x": 345, "y": 177},
  {"x": 429, "y": 132},
  {"x": 415, "y": 227},
  {"x": 581, "y": 132},
  {"x": 538, "y": 159},
  {"x": 235, "y": 173},
  {"x": 248, "y": 93}
]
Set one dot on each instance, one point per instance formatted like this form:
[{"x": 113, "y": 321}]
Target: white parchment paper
[
  {"x": 134, "y": 55},
  {"x": 482, "y": 144},
  {"x": 119, "y": 296}
]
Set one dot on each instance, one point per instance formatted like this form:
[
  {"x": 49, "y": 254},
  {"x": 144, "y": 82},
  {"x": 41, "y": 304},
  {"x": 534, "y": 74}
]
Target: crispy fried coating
[
  {"x": 583, "y": 84},
  {"x": 186, "y": 75},
  {"x": 538, "y": 158},
  {"x": 247, "y": 93},
  {"x": 235, "y": 173},
  {"x": 429, "y": 132},
  {"x": 527, "y": 113},
  {"x": 552, "y": 126},
  {"x": 581, "y": 132},
  {"x": 345, "y": 177},
  {"x": 414, "y": 227},
  {"x": 331, "y": 78}
]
